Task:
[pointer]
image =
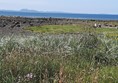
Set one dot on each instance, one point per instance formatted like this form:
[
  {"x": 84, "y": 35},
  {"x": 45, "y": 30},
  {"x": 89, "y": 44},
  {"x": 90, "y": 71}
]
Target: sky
[{"x": 70, "y": 6}]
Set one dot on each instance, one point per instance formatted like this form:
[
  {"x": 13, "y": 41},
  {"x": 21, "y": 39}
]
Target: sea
[{"x": 59, "y": 15}]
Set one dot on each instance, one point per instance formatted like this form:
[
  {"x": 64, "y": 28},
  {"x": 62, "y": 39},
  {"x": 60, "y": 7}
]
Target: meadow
[
  {"x": 70, "y": 29},
  {"x": 60, "y": 54}
]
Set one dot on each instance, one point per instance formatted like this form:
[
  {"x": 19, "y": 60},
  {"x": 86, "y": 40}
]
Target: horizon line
[{"x": 37, "y": 11}]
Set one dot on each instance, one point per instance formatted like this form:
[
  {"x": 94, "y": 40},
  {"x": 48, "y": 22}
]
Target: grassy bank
[{"x": 59, "y": 58}]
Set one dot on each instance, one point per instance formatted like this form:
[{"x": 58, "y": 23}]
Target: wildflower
[{"x": 30, "y": 76}]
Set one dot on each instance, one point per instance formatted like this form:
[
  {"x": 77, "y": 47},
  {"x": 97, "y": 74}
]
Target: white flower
[{"x": 30, "y": 76}]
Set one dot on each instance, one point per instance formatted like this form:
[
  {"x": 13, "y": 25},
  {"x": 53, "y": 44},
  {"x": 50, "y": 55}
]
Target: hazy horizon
[{"x": 71, "y": 6}]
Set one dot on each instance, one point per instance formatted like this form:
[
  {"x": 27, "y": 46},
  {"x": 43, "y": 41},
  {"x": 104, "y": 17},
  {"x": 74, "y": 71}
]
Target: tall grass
[{"x": 58, "y": 58}]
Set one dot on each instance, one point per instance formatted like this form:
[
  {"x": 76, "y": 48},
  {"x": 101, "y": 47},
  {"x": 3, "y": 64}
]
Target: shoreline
[
  {"x": 67, "y": 15},
  {"x": 16, "y": 24}
]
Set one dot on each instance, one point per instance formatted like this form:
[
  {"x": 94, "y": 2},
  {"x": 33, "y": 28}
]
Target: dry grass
[{"x": 59, "y": 58}]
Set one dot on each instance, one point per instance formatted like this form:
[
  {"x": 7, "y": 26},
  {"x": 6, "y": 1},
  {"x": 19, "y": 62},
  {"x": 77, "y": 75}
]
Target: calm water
[{"x": 61, "y": 15}]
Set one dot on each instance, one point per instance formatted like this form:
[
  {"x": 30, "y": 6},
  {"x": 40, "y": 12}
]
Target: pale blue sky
[{"x": 73, "y": 6}]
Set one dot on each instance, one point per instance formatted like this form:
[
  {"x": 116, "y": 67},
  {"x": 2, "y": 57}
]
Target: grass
[
  {"x": 58, "y": 58},
  {"x": 69, "y": 29},
  {"x": 55, "y": 29},
  {"x": 88, "y": 57}
]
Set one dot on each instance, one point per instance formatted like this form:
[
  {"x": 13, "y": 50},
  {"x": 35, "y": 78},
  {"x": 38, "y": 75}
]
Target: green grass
[
  {"x": 51, "y": 58},
  {"x": 109, "y": 74},
  {"x": 55, "y": 29},
  {"x": 69, "y": 29},
  {"x": 106, "y": 30}
]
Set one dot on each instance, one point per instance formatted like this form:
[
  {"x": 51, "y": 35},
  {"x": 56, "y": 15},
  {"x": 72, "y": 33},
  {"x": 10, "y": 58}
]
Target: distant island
[
  {"x": 28, "y": 10},
  {"x": 31, "y": 11},
  {"x": 55, "y": 14}
]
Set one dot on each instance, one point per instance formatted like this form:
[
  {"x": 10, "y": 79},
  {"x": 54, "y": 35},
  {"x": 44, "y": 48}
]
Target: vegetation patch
[
  {"x": 69, "y": 29},
  {"x": 58, "y": 58}
]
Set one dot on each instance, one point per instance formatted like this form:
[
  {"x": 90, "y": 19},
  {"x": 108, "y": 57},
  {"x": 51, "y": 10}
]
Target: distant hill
[
  {"x": 35, "y": 11},
  {"x": 27, "y": 10},
  {"x": 30, "y": 11}
]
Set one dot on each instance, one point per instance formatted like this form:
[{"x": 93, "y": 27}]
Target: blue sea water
[{"x": 60, "y": 15}]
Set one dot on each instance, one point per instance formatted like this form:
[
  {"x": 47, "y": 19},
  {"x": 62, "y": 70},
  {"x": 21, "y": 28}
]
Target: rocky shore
[{"x": 16, "y": 25}]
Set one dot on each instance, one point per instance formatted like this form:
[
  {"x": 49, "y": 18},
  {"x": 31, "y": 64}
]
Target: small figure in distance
[{"x": 95, "y": 25}]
